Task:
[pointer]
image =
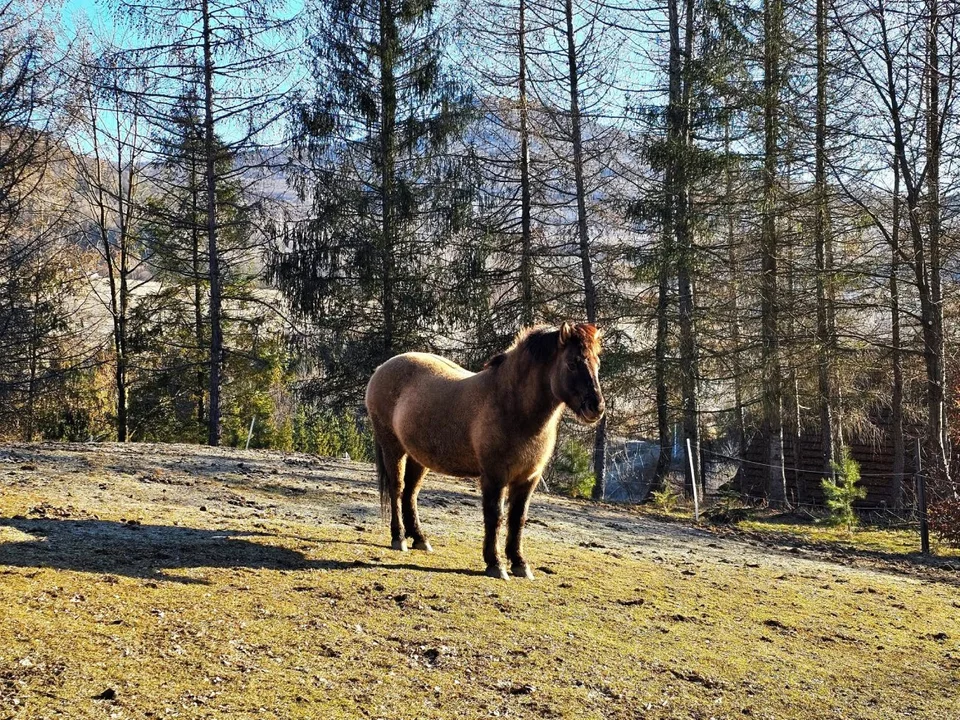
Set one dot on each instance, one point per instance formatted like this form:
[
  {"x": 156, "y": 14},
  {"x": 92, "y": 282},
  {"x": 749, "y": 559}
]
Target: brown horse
[{"x": 499, "y": 425}]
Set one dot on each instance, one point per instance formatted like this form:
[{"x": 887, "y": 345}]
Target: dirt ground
[
  {"x": 101, "y": 545},
  {"x": 257, "y": 485}
]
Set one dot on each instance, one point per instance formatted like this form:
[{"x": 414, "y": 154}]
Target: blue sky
[{"x": 72, "y": 8}]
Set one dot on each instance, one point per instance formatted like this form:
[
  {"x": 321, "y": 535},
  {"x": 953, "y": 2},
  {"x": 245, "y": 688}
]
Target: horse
[{"x": 498, "y": 425}]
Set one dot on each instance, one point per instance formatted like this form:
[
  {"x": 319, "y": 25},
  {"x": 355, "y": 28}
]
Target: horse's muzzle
[{"x": 590, "y": 413}]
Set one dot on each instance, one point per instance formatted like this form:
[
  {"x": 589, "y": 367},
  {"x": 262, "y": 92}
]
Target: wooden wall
[{"x": 803, "y": 478}]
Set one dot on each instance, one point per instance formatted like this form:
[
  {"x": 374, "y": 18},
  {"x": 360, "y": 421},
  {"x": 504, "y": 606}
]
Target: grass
[
  {"x": 867, "y": 538},
  {"x": 890, "y": 542},
  {"x": 215, "y": 617}
]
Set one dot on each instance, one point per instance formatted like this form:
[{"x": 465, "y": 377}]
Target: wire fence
[{"x": 631, "y": 471}]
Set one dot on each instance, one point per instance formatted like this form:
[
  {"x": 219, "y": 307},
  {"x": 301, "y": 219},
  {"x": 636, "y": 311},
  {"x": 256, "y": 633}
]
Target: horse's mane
[{"x": 542, "y": 341}]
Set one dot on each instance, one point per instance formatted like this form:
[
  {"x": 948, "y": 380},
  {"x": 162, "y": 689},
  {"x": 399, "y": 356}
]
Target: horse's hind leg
[
  {"x": 394, "y": 464},
  {"x": 520, "y": 493},
  {"x": 413, "y": 478}
]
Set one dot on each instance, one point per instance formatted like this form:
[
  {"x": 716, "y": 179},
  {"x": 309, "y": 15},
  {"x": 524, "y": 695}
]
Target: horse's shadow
[
  {"x": 144, "y": 551},
  {"x": 157, "y": 551}
]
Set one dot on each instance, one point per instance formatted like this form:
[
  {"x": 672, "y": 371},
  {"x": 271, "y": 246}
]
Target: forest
[{"x": 217, "y": 218}]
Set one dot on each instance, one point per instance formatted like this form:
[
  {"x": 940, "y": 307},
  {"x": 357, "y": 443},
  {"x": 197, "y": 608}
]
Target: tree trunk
[
  {"x": 388, "y": 113},
  {"x": 896, "y": 399},
  {"x": 589, "y": 289},
  {"x": 526, "y": 253},
  {"x": 681, "y": 141},
  {"x": 938, "y": 429},
  {"x": 669, "y": 225},
  {"x": 664, "y": 459},
  {"x": 770, "y": 341},
  {"x": 201, "y": 381},
  {"x": 734, "y": 289},
  {"x": 117, "y": 268},
  {"x": 125, "y": 207},
  {"x": 35, "y": 341},
  {"x": 216, "y": 330},
  {"x": 823, "y": 251},
  {"x": 793, "y": 381}
]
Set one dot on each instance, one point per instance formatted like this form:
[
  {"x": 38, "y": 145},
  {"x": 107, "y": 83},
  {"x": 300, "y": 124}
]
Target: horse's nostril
[{"x": 594, "y": 405}]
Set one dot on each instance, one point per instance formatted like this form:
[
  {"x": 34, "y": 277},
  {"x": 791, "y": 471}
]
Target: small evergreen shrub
[
  {"x": 664, "y": 500},
  {"x": 729, "y": 509},
  {"x": 572, "y": 473},
  {"x": 840, "y": 496},
  {"x": 943, "y": 518}
]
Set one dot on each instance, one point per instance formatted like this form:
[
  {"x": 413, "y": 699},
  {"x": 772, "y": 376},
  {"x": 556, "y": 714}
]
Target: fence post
[
  {"x": 922, "y": 505},
  {"x": 693, "y": 477},
  {"x": 250, "y": 431}
]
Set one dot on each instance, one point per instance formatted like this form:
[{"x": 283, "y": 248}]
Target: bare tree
[{"x": 772, "y": 428}]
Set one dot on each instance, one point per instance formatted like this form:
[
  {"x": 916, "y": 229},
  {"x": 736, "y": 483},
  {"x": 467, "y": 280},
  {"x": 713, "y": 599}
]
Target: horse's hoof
[
  {"x": 400, "y": 545},
  {"x": 522, "y": 571},
  {"x": 422, "y": 545},
  {"x": 497, "y": 571}
]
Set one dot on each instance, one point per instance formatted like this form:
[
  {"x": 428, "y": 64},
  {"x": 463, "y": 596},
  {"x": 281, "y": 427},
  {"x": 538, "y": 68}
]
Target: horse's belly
[
  {"x": 437, "y": 437},
  {"x": 440, "y": 453}
]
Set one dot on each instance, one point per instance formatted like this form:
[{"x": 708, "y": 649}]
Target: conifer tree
[
  {"x": 175, "y": 241},
  {"x": 373, "y": 161},
  {"x": 237, "y": 56}
]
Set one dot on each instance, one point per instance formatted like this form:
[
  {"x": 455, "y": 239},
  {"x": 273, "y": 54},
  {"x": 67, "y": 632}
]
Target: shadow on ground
[
  {"x": 157, "y": 551},
  {"x": 142, "y": 551}
]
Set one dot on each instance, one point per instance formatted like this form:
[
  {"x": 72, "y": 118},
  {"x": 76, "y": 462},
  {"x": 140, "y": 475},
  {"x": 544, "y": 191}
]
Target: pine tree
[
  {"x": 174, "y": 235},
  {"x": 840, "y": 493},
  {"x": 386, "y": 195}
]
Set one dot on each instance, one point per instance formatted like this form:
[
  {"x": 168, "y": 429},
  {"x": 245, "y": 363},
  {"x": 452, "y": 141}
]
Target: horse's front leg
[
  {"x": 492, "y": 489},
  {"x": 520, "y": 492}
]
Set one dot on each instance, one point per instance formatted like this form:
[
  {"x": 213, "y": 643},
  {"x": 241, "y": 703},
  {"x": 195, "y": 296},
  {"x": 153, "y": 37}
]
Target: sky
[{"x": 90, "y": 8}]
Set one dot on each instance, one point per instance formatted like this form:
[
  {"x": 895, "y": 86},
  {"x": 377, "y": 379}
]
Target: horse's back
[
  {"x": 428, "y": 404},
  {"x": 431, "y": 365},
  {"x": 403, "y": 372}
]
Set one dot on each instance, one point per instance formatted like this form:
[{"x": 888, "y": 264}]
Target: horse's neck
[{"x": 525, "y": 391}]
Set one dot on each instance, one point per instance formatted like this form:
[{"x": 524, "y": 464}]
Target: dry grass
[{"x": 208, "y": 613}]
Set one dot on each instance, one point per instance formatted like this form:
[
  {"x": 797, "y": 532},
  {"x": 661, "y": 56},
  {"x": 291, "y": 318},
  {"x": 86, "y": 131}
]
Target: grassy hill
[{"x": 175, "y": 581}]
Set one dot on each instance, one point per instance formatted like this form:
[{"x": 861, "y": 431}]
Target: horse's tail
[{"x": 382, "y": 480}]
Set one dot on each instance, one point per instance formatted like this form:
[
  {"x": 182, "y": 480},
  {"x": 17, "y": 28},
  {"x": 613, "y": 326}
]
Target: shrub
[
  {"x": 729, "y": 509},
  {"x": 572, "y": 473},
  {"x": 664, "y": 500},
  {"x": 333, "y": 434},
  {"x": 943, "y": 518},
  {"x": 840, "y": 496}
]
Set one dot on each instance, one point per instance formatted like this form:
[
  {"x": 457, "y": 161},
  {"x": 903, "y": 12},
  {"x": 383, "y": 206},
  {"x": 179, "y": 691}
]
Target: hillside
[{"x": 177, "y": 581}]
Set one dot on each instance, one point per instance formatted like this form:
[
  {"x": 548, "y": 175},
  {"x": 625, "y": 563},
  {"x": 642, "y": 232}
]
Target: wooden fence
[{"x": 804, "y": 470}]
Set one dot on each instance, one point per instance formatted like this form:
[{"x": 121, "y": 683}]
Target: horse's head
[{"x": 574, "y": 378}]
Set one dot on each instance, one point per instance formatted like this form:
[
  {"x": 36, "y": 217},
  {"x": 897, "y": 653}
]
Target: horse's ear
[{"x": 566, "y": 332}]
